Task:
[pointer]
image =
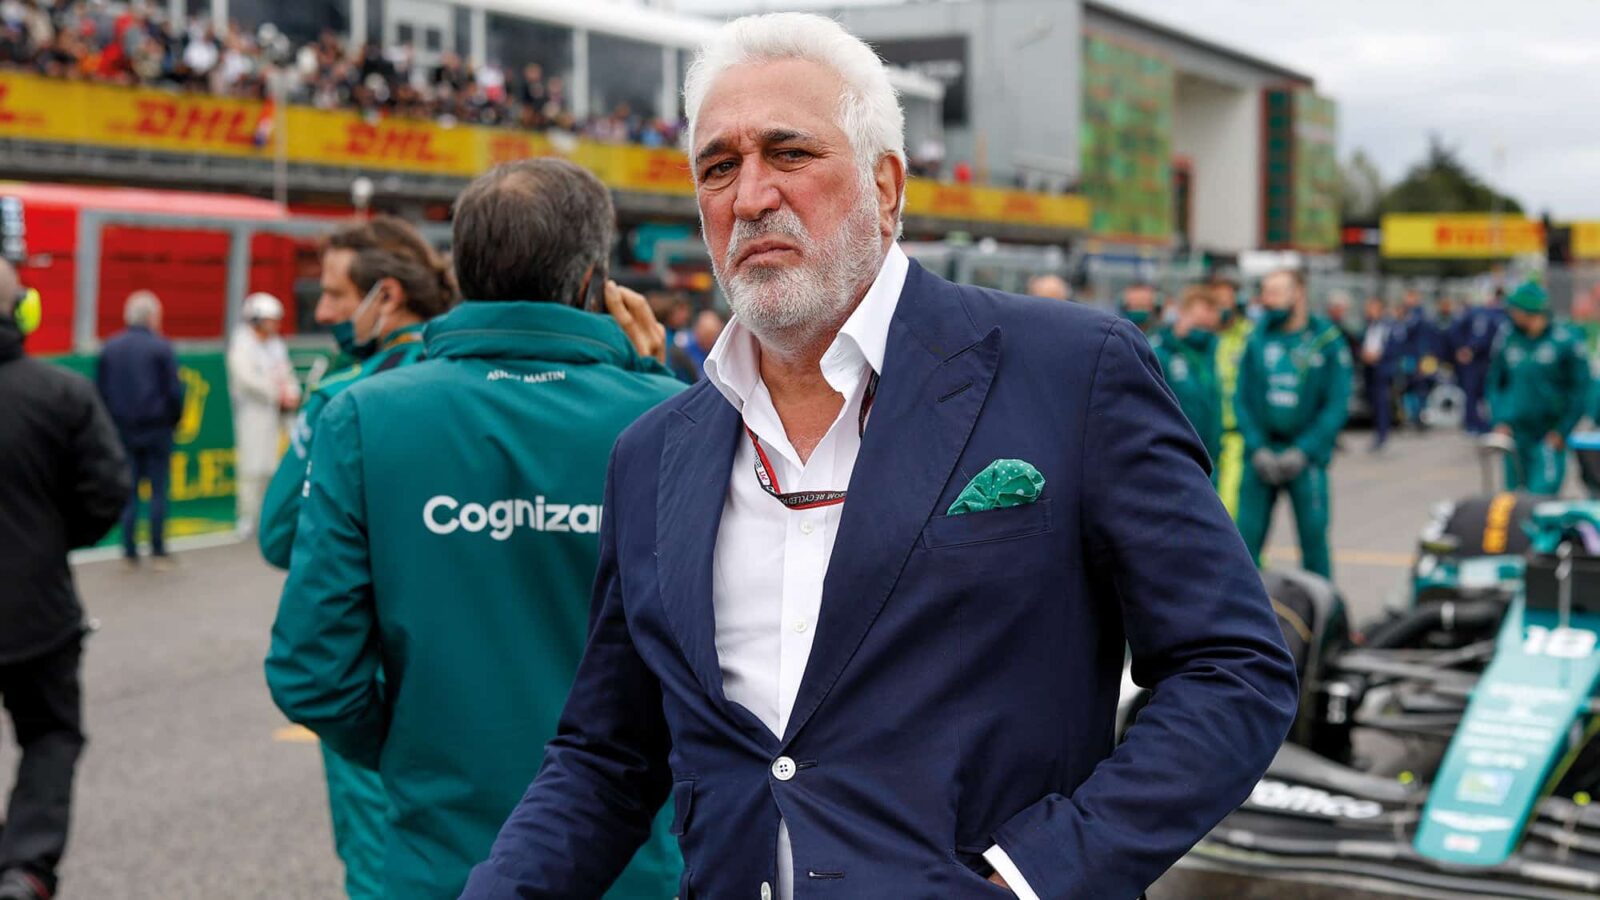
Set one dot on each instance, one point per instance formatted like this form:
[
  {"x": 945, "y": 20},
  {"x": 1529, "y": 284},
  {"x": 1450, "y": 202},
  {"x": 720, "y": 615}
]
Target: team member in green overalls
[
  {"x": 1294, "y": 394},
  {"x": 438, "y": 604},
  {"x": 381, "y": 282},
  {"x": 1187, "y": 351},
  {"x": 1141, "y": 305},
  {"x": 1538, "y": 389},
  {"x": 1236, "y": 331}
]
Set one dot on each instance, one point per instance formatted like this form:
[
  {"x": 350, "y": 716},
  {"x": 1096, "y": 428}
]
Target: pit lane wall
[{"x": 38, "y": 109}]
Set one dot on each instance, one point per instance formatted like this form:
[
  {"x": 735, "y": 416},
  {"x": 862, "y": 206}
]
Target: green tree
[
  {"x": 1360, "y": 189},
  {"x": 1442, "y": 183}
]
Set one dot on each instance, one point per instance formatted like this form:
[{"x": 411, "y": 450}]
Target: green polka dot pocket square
[{"x": 1003, "y": 483}]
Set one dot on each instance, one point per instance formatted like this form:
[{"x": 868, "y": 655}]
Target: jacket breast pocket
[{"x": 988, "y": 526}]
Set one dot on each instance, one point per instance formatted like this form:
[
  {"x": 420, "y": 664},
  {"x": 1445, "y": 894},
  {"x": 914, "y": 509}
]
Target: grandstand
[{"x": 303, "y": 100}]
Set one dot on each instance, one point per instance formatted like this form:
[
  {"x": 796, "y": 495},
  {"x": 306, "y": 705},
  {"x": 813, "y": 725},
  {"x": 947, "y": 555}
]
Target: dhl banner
[
  {"x": 1586, "y": 240},
  {"x": 1460, "y": 236},
  {"x": 961, "y": 201},
  {"x": 71, "y": 112}
]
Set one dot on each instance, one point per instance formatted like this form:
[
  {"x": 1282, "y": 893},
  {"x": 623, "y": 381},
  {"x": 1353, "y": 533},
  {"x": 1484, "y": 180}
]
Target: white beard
[{"x": 788, "y": 307}]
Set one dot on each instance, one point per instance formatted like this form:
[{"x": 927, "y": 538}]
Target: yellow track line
[{"x": 294, "y": 734}]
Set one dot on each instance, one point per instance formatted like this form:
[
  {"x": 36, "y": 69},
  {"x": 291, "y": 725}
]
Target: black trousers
[{"x": 45, "y": 703}]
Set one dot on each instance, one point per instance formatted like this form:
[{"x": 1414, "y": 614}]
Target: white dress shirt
[{"x": 769, "y": 563}]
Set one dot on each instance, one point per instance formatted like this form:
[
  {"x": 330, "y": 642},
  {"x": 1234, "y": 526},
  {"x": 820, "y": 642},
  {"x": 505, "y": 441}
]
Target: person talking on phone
[
  {"x": 381, "y": 283},
  {"x": 438, "y": 600}
]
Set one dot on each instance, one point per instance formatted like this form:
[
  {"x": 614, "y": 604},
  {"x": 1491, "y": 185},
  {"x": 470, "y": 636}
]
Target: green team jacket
[
  {"x": 1191, "y": 372},
  {"x": 1539, "y": 385},
  {"x": 1294, "y": 389},
  {"x": 449, "y": 539},
  {"x": 280, "y": 508}
]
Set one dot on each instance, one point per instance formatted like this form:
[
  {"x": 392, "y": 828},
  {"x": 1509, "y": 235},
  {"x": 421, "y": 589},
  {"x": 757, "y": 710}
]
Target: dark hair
[
  {"x": 532, "y": 230},
  {"x": 387, "y": 247}
]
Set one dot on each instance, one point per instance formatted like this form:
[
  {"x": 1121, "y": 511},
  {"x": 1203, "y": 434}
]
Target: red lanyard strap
[{"x": 807, "y": 499}]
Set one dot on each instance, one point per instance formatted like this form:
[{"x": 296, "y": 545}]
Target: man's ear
[
  {"x": 586, "y": 299},
  {"x": 889, "y": 178},
  {"x": 393, "y": 294}
]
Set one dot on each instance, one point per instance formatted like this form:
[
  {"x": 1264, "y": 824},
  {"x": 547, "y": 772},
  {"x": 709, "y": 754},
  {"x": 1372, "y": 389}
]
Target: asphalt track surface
[{"x": 193, "y": 785}]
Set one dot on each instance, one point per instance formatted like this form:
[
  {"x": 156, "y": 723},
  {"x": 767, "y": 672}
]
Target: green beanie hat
[{"x": 1529, "y": 298}]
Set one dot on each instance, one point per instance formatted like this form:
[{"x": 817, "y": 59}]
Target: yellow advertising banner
[
  {"x": 74, "y": 112},
  {"x": 984, "y": 204},
  {"x": 1460, "y": 236},
  {"x": 1586, "y": 240}
]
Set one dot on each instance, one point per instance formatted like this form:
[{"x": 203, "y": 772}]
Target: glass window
[
  {"x": 301, "y": 22},
  {"x": 463, "y": 46},
  {"x": 685, "y": 57},
  {"x": 404, "y": 33},
  {"x": 432, "y": 40},
  {"x": 624, "y": 72},
  {"x": 514, "y": 43}
]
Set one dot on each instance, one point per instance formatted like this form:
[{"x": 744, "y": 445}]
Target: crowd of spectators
[{"x": 133, "y": 45}]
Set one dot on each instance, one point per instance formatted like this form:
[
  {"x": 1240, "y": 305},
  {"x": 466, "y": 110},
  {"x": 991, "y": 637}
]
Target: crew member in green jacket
[
  {"x": 1538, "y": 389},
  {"x": 380, "y": 283},
  {"x": 1293, "y": 397},
  {"x": 1231, "y": 340},
  {"x": 438, "y": 603},
  {"x": 1187, "y": 351},
  {"x": 1141, "y": 305}
]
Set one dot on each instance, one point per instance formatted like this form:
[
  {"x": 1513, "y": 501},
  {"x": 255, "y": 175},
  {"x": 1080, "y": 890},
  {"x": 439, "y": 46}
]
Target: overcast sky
[{"x": 1522, "y": 76}]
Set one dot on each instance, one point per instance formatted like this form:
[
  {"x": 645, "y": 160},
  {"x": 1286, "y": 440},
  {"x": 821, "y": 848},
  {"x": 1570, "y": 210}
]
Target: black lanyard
[{"x": 807, "y": 499}]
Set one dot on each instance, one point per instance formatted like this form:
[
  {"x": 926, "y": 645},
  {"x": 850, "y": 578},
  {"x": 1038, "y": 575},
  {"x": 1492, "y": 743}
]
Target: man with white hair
[
  {"x": 865, "y": 592},
  {"x": 263, "y": 388},
  {"x": 138, "y": 379}
]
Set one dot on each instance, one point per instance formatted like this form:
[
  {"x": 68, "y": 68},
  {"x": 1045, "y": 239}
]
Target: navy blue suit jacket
[
  {"x": 964, "y": 677},
  {"x": 1480, "y": 326},
  {"x": 138, "y": 378}
]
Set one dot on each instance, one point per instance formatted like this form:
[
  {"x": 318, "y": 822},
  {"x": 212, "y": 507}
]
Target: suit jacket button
[{"x": 783, "y": 768}]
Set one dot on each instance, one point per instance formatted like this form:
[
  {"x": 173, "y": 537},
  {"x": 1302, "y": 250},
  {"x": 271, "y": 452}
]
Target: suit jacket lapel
[
  {"x": 936, "y": 374},
  {"x": 696, "y": 458}
]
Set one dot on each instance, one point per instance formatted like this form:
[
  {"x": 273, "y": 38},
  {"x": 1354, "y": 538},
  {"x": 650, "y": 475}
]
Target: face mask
[
  {"x": 344, "y": 333},
  {"x": 1137, "y": 316},
  {"x": 1275, "y": 319},
  {"x": 1200, "y": 339}
]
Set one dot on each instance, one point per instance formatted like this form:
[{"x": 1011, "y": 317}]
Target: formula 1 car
[{"x": 1450, "y": 749}]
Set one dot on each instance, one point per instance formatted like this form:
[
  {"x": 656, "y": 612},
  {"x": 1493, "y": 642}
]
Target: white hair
[
  {"x": 141, "y": 307},
  {"x": 869, "y": 109}
]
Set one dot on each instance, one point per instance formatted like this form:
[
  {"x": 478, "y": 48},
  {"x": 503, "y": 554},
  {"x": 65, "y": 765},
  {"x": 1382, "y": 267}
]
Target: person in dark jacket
[
  {"x": 1419, "y": 366},
  {"x": 63, "y": 483},
  {"x": 1474, "y": 349},
  {"x": 1379, "y": 358},
  {"x": 138, "y": 379}
]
